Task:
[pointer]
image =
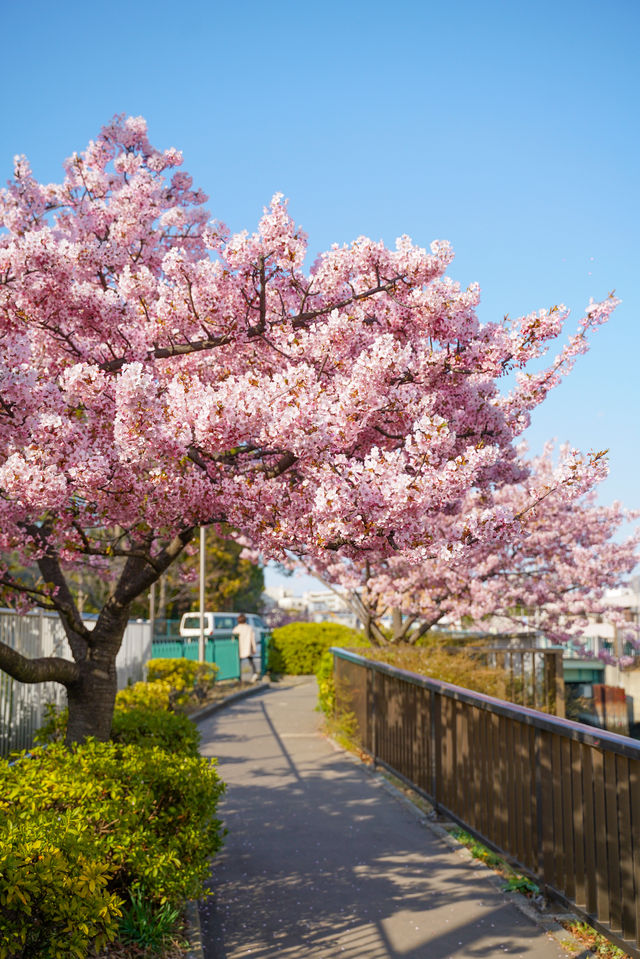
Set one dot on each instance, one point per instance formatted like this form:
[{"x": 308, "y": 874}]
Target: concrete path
[{"x": 322, "y": 860}]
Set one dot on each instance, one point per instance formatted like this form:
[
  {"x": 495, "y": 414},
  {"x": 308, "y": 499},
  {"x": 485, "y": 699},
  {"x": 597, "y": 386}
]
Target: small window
[
  {"x": 193, "y": 622},
  {"x": 225, "y": 622}
]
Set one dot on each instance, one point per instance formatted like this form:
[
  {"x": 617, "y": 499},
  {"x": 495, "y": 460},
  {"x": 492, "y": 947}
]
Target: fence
[
  {"x": 534, "y": 676},
  {"x": 223, "y": 652},
  {"x": 39, "y": 634},
  {"x": 558, "y": 799}
]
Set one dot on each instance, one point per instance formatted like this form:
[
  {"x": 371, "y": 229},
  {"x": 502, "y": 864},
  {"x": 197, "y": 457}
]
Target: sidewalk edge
[
  {"x": 193, "y": 931},
  {"x": 216, "y": 707}
]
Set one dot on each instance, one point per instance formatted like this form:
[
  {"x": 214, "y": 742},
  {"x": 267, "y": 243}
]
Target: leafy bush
[
  {"x": 142, "y": 714},
  {"x": 152, "y": 695},
  {"x": 145, "y": 814},
  {"x": 155, "y": 727},
  {"x": 326, "y": 684},
  {"x": 297, "y": 648},
  {"x": 184, "y": 676},
  {"x": 54, "y": 895},
  {"x": 459, "y": 668},
  {"x": 54, "y": 728},
  {"x": 106, "y": 839}
]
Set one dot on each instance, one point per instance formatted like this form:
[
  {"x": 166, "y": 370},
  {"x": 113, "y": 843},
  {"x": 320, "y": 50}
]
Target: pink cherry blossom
[{"x": 158, "y": 373}]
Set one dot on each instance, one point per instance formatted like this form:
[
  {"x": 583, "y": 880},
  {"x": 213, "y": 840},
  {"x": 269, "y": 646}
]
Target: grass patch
[
  {"x": 514, "y": 881},
  {"x": 597, "y": 943}
]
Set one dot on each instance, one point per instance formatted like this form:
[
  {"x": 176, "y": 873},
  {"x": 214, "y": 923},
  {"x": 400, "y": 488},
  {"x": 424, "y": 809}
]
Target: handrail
[{"x": 578, "y": 732}]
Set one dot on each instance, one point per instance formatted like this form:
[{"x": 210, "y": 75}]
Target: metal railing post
[
  {"x": 433, "y": 739},
  {"x": 374, "y": 716}
]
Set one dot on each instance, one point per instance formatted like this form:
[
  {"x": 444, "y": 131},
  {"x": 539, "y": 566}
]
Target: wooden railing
[
  {"x": 533, "y": 676},
  {"x": 560, "y": 800}
]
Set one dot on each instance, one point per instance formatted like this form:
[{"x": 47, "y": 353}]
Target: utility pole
[
  {"x": 152, "y": 609},
  {"x": 202, "y": 570}
]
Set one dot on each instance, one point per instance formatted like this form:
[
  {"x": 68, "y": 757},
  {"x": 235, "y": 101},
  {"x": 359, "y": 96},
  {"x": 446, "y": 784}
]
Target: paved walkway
[{"x": 322, "y": 860}]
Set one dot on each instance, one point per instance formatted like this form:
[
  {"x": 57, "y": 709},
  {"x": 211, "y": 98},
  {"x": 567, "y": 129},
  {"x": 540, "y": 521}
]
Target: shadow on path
[{"x": 321, "y": 861}]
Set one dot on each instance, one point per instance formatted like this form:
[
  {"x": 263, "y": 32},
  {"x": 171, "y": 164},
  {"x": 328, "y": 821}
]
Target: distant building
[{"x": 318, "y": 606}]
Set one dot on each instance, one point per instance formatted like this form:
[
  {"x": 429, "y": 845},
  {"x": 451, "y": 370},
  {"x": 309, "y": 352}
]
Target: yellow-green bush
[
  {"x": 54, "y": 895},
  {"x": 326, "y": 683},
  {"x": 149, "y": 809},
  {"x": 296, "y": 649},
  {"x": 158, "y": 727},
  {"x": 184, "y": 676},
  {"x": 105, "y": 839},
  {"x": 156, "y": 694},
  {"x": 142, "y": 715}
]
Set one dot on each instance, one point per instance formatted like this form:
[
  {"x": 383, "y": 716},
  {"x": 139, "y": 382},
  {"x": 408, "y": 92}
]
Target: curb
[
  {"x": 193, "y": 931},
  {"x": 216, "y": 707}
]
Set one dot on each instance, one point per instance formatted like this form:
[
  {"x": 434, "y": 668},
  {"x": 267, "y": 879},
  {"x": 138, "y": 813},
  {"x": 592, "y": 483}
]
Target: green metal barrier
[{"x": 222, "y": 652}]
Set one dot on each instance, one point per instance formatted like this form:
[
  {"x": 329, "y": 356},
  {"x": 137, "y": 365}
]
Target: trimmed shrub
[
  {"x": 106, "y": 840},
  {"x": 54, "y": 895},
  {"x": 155, "y": 727},
  {"x": 145, "y": 814},
  {"x": 184, "y": 676},
  {"x": 296, "y": 649},
  {"x": 143, "y": 715},
  {"x": 152, "y": 695}
]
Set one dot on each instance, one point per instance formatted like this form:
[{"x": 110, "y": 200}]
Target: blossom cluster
[{"x": 158, "y": 373}]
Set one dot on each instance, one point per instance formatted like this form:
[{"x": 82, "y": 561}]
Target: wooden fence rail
[{"x": 558, "y": 799}]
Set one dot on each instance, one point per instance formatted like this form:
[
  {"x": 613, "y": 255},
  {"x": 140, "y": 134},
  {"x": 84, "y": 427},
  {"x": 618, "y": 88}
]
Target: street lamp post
[{"x": 202, "y": 570}]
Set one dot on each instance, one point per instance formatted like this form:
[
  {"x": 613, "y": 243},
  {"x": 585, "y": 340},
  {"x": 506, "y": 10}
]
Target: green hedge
[
  {"x": 105, "y": 840},
  {"x": 296, "y": 649}
]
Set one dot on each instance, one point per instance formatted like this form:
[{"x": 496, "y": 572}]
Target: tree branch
[
  {"x": 298, "y": 320},
  {"x": 48, "y": 669}
]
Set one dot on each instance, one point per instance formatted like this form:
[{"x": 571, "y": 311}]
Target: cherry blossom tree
[
  {"x": 551, "y": 571},
  {"x": 158, "y": 373}
]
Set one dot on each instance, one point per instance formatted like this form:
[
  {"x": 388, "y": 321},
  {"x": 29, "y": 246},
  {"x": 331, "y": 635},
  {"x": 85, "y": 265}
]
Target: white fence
[{"x": 37, "y": 634}]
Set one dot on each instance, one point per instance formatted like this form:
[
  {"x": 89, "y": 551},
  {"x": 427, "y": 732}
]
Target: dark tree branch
[
  {"x": 43, "y": 670},
  {"x": 61, "y": 599},
  {"x": 287, "y": 460},
  {"x": 298, "y": 321}
]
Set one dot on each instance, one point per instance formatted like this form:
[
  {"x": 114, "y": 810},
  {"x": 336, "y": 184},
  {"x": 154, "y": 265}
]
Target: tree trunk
[
  {"x": 91, "y": 698},
  {"x": 91, "y": 701},
  {"x": 370, "y": 630}
]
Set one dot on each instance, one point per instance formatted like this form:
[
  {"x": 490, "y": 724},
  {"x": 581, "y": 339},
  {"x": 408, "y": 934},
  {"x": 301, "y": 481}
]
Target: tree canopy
[{"x": 158, "y": 373}]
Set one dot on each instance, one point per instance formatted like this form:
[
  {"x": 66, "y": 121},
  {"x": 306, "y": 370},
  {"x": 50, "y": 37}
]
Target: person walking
[{"x": 246, "y": 644}]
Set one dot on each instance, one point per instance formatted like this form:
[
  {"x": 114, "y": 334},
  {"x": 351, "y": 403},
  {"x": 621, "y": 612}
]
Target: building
[{"x": 317, "y": 606}]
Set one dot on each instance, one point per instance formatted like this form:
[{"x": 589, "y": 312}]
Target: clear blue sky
[{"x": 510, "y": 129}]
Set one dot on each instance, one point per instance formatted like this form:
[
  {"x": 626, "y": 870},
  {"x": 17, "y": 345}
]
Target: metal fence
[
  {"x": 22, "y": 705},
  {"x": 533, "y": 676},
  {"x": 558, "y": 799},
  {"x": 222, "y": 652}
]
